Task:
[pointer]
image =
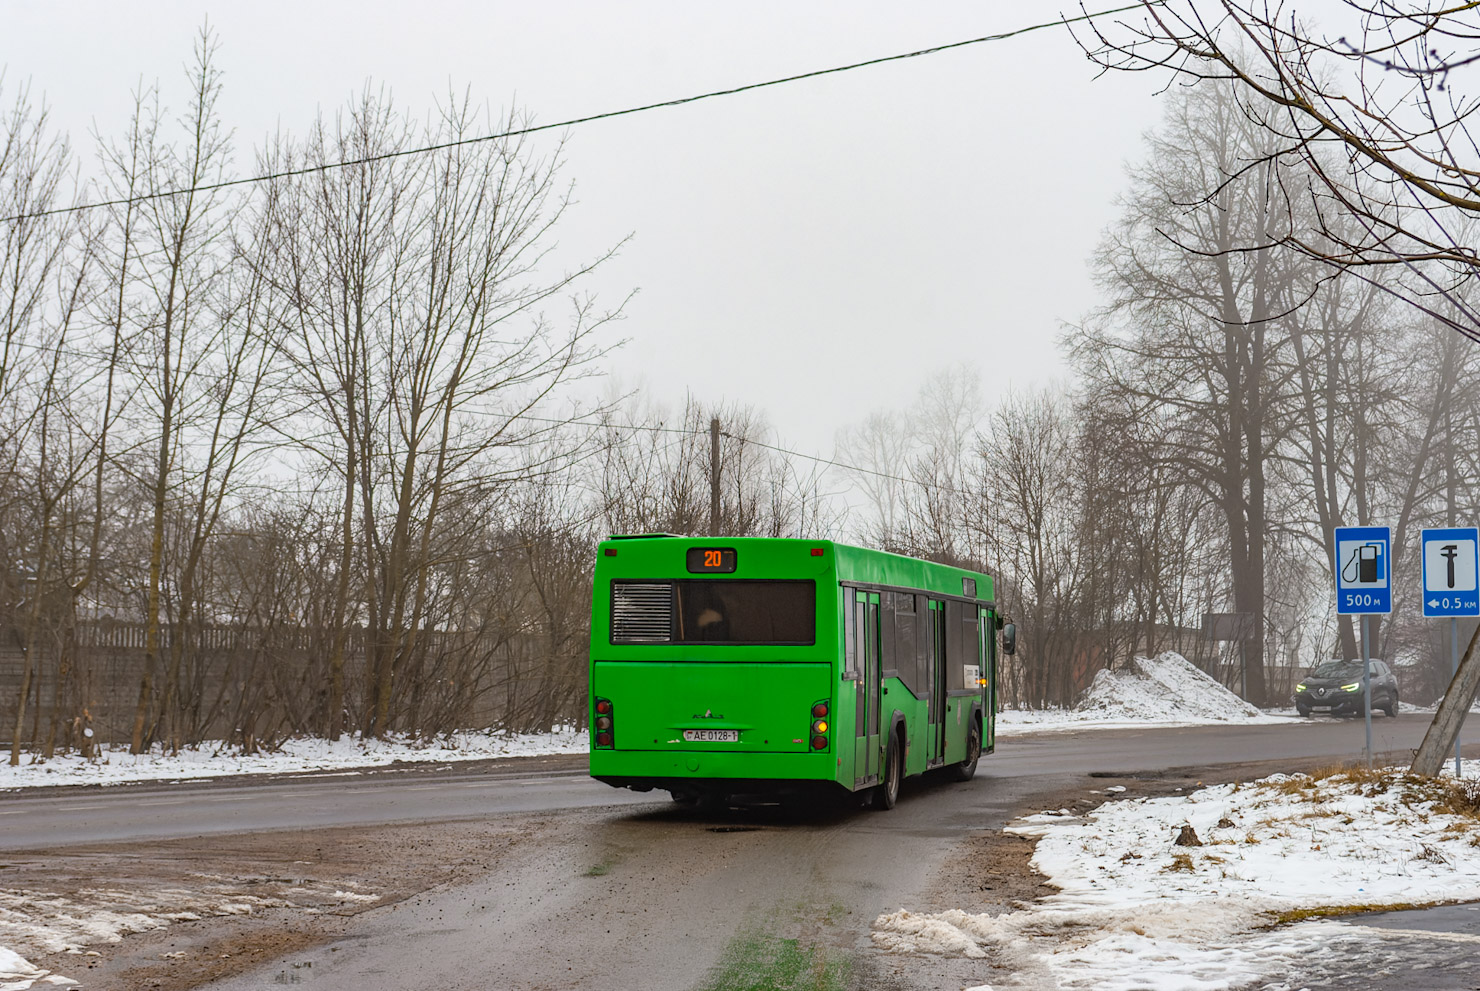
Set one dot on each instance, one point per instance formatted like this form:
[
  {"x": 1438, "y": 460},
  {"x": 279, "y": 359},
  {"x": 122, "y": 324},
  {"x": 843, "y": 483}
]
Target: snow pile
[
  {"x": 1167, "y": 690},
  {"x": 17, "y": 973},
  {"x": 1162, "y": 688},
  {"x": 1136, "y": 910},
  {"x": 116, "y": 765},
  {"x": 40, "y": 922},
  {"x": 47, "y": 922}
]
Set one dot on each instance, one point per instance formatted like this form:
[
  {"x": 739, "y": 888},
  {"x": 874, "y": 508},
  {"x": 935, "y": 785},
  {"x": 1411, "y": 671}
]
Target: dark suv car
[{"x": 1336, "y": 687}]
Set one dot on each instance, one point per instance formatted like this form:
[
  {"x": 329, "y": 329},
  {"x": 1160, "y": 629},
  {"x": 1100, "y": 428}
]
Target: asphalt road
[
  {"x": 51, "y": 818},
  {"x": 621, "y": 890}
]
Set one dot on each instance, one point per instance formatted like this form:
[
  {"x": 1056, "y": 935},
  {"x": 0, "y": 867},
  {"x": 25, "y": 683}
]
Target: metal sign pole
[
  {"x": 1453, "y": 669},
  {"x": 1367, "y": 689},
  {"x": 1364, "y": 588}
]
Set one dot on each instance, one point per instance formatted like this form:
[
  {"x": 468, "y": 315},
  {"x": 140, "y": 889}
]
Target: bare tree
[
  {"x": 1368, "y": 104},
  {"x": 654, "y": 474},
  {"x": 1202, "y": 325},
  {"x": 39, "y": 296},
  {"x": 419, "y": 334},
  {"x": 1032, "y": 524},
  {"x": 913, "y": 467},
  {"x": 172, "y": 298}
]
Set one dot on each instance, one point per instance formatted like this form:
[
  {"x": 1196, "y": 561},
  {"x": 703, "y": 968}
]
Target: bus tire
[
  {"x": 966, "y": 769},
  {"x": 887, "y": 793}
]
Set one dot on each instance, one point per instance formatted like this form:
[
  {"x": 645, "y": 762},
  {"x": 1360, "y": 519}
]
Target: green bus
[{"x": 727, "y": 668}]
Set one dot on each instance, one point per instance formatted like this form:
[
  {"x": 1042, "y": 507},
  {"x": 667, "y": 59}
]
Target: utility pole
[
  {"x": 1444, "y": 730},
  {"x": 714, "y": 477}
]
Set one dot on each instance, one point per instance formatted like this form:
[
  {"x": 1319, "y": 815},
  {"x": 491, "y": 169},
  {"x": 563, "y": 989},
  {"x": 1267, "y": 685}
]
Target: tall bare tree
[
  {"x": 417, "y": 294},
  {"x": 40, "y": 289},
  {"x": 1202, "y": 325}
]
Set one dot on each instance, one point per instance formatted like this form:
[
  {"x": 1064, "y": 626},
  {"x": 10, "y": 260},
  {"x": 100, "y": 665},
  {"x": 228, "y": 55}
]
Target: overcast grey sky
[{"x": 815, "y": 250}]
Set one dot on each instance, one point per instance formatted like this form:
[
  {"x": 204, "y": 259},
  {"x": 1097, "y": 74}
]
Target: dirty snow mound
[
  {"x": 18, "y": 974},
  {"x": 1163, "y": 688},
  {"x": 115, "y": 765},
  {"x": 1135, "y": 909}
]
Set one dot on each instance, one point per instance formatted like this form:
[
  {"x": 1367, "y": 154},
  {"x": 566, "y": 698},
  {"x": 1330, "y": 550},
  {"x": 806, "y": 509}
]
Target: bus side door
[
  {"x": 935, "y": 684},
  {"x": 988, "y": 653},
  {"x": 866, "y": 739}
]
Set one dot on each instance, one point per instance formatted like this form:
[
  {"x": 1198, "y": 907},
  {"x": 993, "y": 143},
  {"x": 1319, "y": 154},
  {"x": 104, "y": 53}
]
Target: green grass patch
[
  {"x": 757, "y": 961},
  {"x": 601, "y": 869}
]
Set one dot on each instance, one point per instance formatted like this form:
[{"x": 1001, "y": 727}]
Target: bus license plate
[{"x": 711, "y": 736}]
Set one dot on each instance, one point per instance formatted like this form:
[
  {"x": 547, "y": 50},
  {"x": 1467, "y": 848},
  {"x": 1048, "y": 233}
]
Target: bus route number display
[{"x": 711, "y": 560}]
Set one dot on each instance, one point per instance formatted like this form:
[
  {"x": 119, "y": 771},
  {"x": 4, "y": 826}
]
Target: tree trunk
[{"x": 1438, "y": 742}]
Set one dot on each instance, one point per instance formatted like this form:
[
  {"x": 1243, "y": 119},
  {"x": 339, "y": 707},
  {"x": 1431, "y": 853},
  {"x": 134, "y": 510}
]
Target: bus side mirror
[{"x": 1009, "y": 638}]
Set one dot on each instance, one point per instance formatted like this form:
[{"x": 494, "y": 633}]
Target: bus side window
[
  {"x": 956, "y": 653},
  {"x": 850, "y": 635},
  {"x": 907, "y": 642},
  {"x": 889, "y": 660},
  {"x": 971, "y": 638}
]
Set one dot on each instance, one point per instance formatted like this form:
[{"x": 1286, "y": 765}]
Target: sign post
[
  {"x": 1364, "y": 588},
  {"x": 1451, "y": 586}
]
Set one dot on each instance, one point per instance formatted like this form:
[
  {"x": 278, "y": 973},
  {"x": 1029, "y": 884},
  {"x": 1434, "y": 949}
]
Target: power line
[
  {"x": 536, "y": 128},
  {"x": 847, "y": 467},
  {"x": 697, "y": 432}
]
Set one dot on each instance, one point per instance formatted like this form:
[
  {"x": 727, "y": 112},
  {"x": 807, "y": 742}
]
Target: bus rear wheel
[
  {"x": 887, "y": 793},
  {"x": 965, "y": 770}
]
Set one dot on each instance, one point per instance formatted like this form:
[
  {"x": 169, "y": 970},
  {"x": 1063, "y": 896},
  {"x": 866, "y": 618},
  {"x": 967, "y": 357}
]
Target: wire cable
[
  {"x": 698, "y": 432},
  {"x": 591, "y": 118},
  {"x": 831, "y": 462}
]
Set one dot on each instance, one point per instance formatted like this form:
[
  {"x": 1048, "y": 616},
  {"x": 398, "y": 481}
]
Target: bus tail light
[
  {"x": 820, "y": 725},
  {"x": 605, "y": 722}
]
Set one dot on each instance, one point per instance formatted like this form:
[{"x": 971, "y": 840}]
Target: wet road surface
[
  {"x": 626, "y": 890},
  {"x": 49, "y": 818}
]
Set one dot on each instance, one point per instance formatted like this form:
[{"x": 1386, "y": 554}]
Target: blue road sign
[
  {"x": 1451, "y": 581},
  {"x": 1363, "y": 570}
]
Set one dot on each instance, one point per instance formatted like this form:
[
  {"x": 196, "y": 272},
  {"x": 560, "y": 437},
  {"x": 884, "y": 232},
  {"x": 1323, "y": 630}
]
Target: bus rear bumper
[{"x": 711, "y": 773}]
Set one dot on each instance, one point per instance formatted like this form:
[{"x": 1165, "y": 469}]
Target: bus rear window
[{"x": 717, "y": 611}]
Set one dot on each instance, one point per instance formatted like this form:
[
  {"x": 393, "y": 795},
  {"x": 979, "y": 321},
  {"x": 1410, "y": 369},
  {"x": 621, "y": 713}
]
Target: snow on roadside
[
  {"x": 1135, "y": 910},
  {"x": 48, "y": 922},
  {"x": 117, "y": 765},
  {"x": 1167, "y": 690},
  {"x": 17, "y": 974},
  {"x": 1161, "y": 691}
]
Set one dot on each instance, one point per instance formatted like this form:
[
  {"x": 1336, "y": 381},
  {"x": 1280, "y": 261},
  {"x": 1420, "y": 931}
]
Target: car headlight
[
  {"x": 1300, "y": 687},
  {"x": 1355, "y": 686}
]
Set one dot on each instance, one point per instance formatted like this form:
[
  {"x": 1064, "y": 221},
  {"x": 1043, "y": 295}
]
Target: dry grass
[
  {"x": 1460, "y": 798},
  {"x": 1180, "y": 862},
  {"x": 1368, "y": 780},
  {"x": 1336, "y": 911},
  {"x": 1446, "y": 795}
]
